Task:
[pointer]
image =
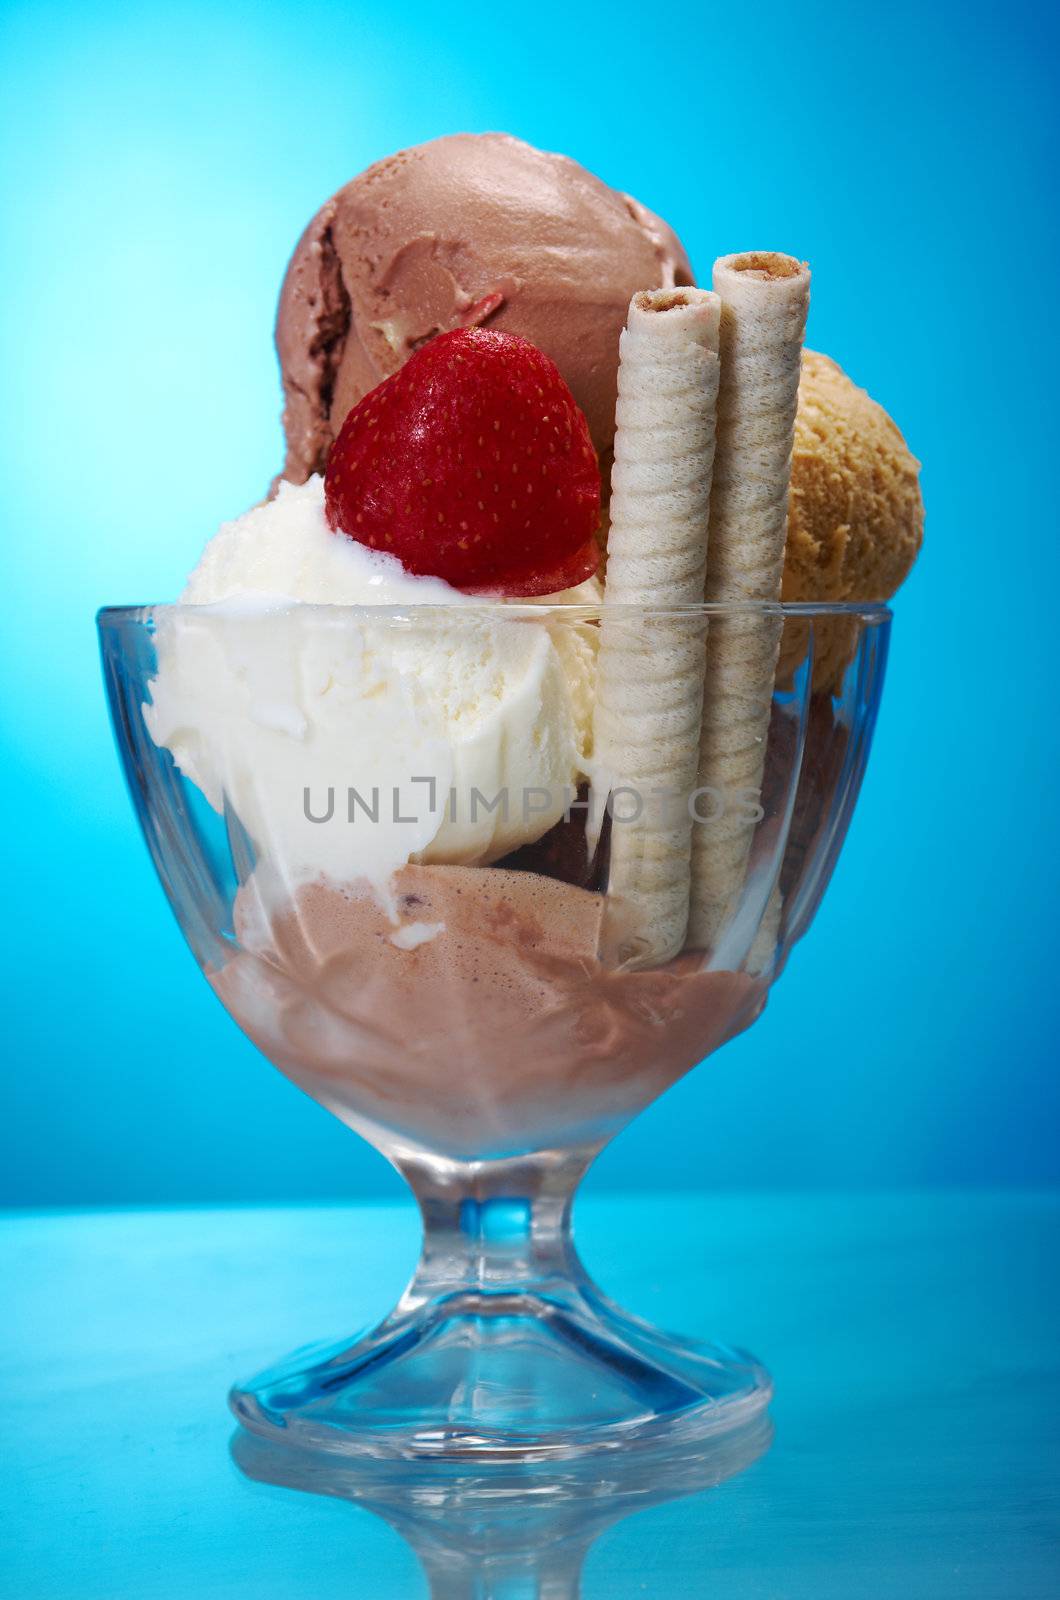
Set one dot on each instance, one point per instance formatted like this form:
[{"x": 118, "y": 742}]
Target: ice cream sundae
[
  {"x": 494, "y": 763},
  {"x": 421, "y": 784}
]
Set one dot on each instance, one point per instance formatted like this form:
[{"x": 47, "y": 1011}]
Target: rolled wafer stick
[
  {"x": 650, "y": 671},
  {"x": 765, "y": 298}
]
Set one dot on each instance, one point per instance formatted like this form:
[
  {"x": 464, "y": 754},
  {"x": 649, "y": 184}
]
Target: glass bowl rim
[{"x": 265, "y": 610}]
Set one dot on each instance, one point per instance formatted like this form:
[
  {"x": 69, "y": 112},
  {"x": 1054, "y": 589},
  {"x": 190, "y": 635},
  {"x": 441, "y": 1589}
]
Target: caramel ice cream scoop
[
  {"x": 468, "y": 229},
  {"x": 855, "y": 512}
]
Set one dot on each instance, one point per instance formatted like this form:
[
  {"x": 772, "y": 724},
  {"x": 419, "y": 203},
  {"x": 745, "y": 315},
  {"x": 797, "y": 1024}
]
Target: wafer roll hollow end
[
  {"x": 749, "y": 273},
  {"x": 677, "y": 313}
]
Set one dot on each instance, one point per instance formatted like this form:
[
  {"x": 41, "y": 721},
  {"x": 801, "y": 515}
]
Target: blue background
[{"x": 157, "y": 167}]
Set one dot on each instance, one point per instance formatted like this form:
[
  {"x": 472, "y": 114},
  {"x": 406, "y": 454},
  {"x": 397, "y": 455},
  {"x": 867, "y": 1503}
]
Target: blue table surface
[{"x": 913, "y": 1339}]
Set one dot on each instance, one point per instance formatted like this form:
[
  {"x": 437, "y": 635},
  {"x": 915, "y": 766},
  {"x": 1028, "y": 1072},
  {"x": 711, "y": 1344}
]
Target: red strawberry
[{"x": 474, "y": 464}]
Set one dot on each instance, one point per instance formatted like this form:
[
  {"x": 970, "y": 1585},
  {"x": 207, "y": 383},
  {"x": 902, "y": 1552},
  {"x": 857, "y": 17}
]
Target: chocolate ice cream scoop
[{"x": 469, "y": 229}]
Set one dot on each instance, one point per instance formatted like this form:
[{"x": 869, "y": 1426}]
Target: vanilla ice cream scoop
[{"x": 418, "y": 725}]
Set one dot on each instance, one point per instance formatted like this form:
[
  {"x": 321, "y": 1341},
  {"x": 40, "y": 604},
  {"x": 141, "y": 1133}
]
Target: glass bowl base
[{"x": 505, "y": 1377}]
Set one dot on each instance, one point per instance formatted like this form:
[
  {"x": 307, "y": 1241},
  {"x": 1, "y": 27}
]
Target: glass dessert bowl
[{"x": 484, "y": 880}]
